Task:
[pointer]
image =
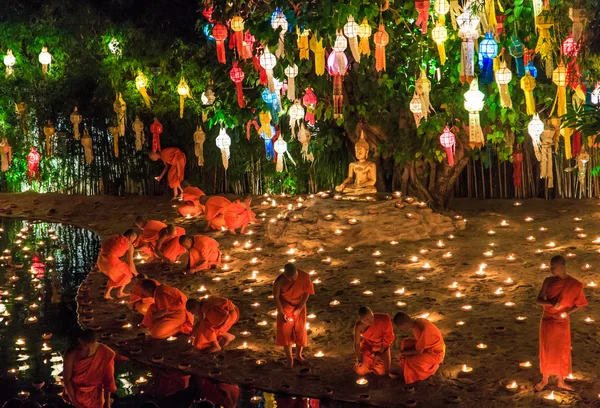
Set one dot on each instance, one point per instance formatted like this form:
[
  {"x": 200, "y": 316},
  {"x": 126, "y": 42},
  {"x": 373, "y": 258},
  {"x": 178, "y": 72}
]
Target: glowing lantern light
[
  {"x": 528, "y": 85},
  {"x": 237, "y": 26},
  {"x": 303, "y": 43},
  {"x": 559, "y": 77},
  {"x": 220, "y": 34},
  {"x": 310, "y": 102},
  {"x": 268, "y": 138},
  {"x": 503, "y": 78},
  {"x": 268, "y": 62},
  {"x": 141, "y": 82},
  {"x": 474, "y": 104},
  {"x": 114, "y": 47},
  {"x": 468, "y": 32},
  {"x": 9, "y": 61},
  {"x": 156, "y": 128},
  {"x": 237, "y": 76},
  {"x": 439, "y": 34},
  {"x": 45, "y": 59},
  {"x": 280, "y": 22},
  {"x": 223, "y": 143},
  {"x": 75, "y": 118},
  {"x": 448, "y": 140},
  {"x": 138, "y": 128},
  {"x": 545, "y": 46},
  {"x": 364, "y": 32},
  {"x": 351, "y": 31},
  {"x": 381, "y": 39},
  {"x": 488, "y": 49},
  {"x": 517, "y": 50},
  {"x": 416, "y": 107},
  {"x": 281, "y": 149},
  {"x": 291, "y": 72},
  {"x": 296, "y": 113},
  {"x": 442, "y": 7},
  {"x": 535, "y": 129},
  {"x": 184, "y": 92}
]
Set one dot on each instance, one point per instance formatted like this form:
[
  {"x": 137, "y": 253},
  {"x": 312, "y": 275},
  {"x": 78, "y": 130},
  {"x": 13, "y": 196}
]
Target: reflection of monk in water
[
  {"x": 362, "y": 171},
  {"x": 225, "y": 395}
]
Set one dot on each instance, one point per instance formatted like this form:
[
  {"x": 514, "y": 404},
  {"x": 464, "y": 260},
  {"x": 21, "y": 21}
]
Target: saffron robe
[
  {"x": 238, "y": 215},
  {"x": 146, "y": 241},
  {"x": 428, "y": 339},
  {"x": 555, "y": 331},
  {"x": 136, "y": 295},
  {"x": 215, "y": 208},
  {"x": 293, "y": 332},
  {"x": 176, "y": 159},
  {"x": 225, "y": 395},
  {"x": 171, "y": 248},
  {"x": 191, "y": 202},
  {"x": 177, "y": 319},
  {"x": 219, "y": 315},
  {"x": 379, "y": 335},
  {"x": 109, "y": 261},
  {"x": 204, "y": 253},
  {"x": 93, "y": 374}
]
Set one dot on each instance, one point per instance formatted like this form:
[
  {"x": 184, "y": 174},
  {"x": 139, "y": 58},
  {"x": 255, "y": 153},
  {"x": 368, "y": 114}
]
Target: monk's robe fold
[
  {"x": 191, "y": 202},
  {"x": 168, "y": 383},
  {"x": 171, "y": 248},
  {"x": 237, "y": 215},
  {"x": 204, "y": 253},
  {"x": 293, "y": 332},
  {"x": 215, "y": 208},
  {"x": 219, "y": 315},
  {"x": 429, "y": 340},
  {"x": 136, "y": 294},
  {"x": 378, "y": 336},
  {"x": 109, "y": 261},
  {"x": 93, "y": 374},
  {"x": 225, "y": 395},
  {"x": 176, "y": 159},
  {"x": 146, "y": 241},
  {"x": 555, "y": 331},
  {"x": 177, "y": 319}
]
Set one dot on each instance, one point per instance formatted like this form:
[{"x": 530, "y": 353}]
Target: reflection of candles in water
[
  {"x": 482, "y": 346},
  {"x": 467, "y": 307},
  {"x": 525, "y": 364},
  {"x": 512, "y": 386},
  {"x": 334, "y": 303},
  {"x": 466, "y": 369},
  {"x": 447, "y": 255}
]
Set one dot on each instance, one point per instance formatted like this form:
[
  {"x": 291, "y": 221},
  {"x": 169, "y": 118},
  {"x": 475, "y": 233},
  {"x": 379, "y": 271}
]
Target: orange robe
[
  {"x": 238, "y": 215},
  {"x": 93, "y": 374},
  {"x": 215, "y": 209},
  {"x": 219, "y": 315},
  {"x": 294, "y": 332},
  {"x": 171, "y": 248},
  {"x": 136, "y": 294},
  {"x": 167, "y": 382},
  {"x": 110, "y": 263},
  {"x": 555, "y": 331},
  {"x": 379, "y": 335},
  {"x": 204, "y": 252},
  {"x": 428, "y": 339},
  {"x": 225, "y": 395},
  {"x": 176, "y": 159},
  {"x": 191, "y": 202},
  {"x": 177, "y": 319},
  {"x": 146, "y": 241}
]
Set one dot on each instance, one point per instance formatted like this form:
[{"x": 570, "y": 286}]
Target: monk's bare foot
[
  {"x": 541, "y": 385},
  {"x": 289, "y": 363},
  {"x": 564, "y": 386},
  {"x": 122, "y": 295},
  {"x": 213, "y": 349},
  {"x": 107, "y": 297},
  {"x": 227, "y": 338},
  {"x": 301, "y": 360},
  {"x": 231, "y": 231}
]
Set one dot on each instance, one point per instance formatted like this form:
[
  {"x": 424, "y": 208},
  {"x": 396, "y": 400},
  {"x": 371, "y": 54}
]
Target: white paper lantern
[
  {"x": 291, "y": 72},
  {"x": 296, "y": 113},
  {"x": 9, "y": 61},
  {"x": 223, "y": 143},
  {"x": 474, "y": 102},
  {"x": 280, "y": 147},
  {"x": 535, "y": 128},
  {"x": 45, "y": 59},
  {"x": 268, "y": 62},
  {"x": 351, "y": 31}
]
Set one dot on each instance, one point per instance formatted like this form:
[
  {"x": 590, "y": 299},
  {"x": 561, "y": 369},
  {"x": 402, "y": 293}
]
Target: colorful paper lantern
[
  {"x": 488, "y": 49},
  {"x": 223, "y": 143},
  {"x": 268, "y": 62},
  {"x": 439, "y": 35},
  {"x": 474, "y": 101},
  {"x": 535, "y": 128},
  {"x": 141, "y": 82},
  {"x": 87, "y": 144},
  {"x": 351, "y": 32},
  {"x": 528, "y": 85},
  {"x": 272, "y": 101},
  {"x": 448, "y": 140},
  {"x": 280, "y": 22},
  {"x": 422, "y": 7},
  {"x": 339, "y": 47},
  {"x": 517, "y": 168},
  {"x": 316, "y": 46},
  {"x": 237, "y": 26},
  {"x": 559, "y": 77},
  {"x": 281, "y": 149},
  {"x": 310, "y": 102},
  {"x": 595, "y": 95},
  {"x": 468, "y": 32},
  {"x": 9, "y": 61},
  {"x": 156, "y": 129},
  {"x": 503, "y": 78},
  {"x": 45, "y": 59},
  {"x": 364, "y": 32},
  {"x": 455, "y": 11},
  {"x": 291, "y": 72},
  {"x": 381, "y": 39},
  {"x": 219, "y": 33},
  {"x": 442, "y": 7},
  {"x": 120, "y": 108},
  {"x": 75, "y": 118},
  {"x": 237, "y": 76},
  {"x": 545, "y": 46},
  {"x": 6, "y": 154},
  {"x": 531, "y": 69},
  {"x": 337, "y": 64},
  {"x": 296, "y": 113},
  {"x": 268, "y": 138},
  {"x": 138, "y": 128},
  {"x": 183, "y": 90},
  {"x": 33, "y": 165},
  {"x": 517, "y": 50},
  {"x": 304, "y": 139},
  {"x": 416, "y": 107},
  {"x": 303, "y": 43},
  {"x": 422, "y": 89},
  {"x": 248, "y": 45}
]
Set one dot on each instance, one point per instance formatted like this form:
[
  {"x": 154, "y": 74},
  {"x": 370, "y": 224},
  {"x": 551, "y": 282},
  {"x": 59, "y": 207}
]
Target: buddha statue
[{"x": 362, "y": 171}]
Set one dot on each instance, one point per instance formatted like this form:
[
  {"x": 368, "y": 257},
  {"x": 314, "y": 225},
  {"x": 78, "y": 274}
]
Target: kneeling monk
[
  {"x": 146, "y": 241},
  {"x": 167, "y": 316},
  {"x": 203, "y": 252},
  {"x": 291, "y": 290},
  {"x": 238, "y": 215},
  {"x": 168, "y": 248},
  {"x": 560, "y": 296},
  {"x": 421, "y": 356},
  {"x": 373, "y": 336},
  {"x": 191, "y": 206},
  {"x": 119, "y": 272},
  {"x": 174, "y": 160},
  {"x": 89, "y": 373},
  {"x": 215, "y": 316},
  {"x": 137, "y": 301},
  {"x": 214, "y": 208}
]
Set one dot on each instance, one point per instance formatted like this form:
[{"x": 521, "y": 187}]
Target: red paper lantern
[
  {"x": 517, "y": 161},
  {"x": 422, "y": 7},
  {"x": 220, "y": 35},
  {"x": 156, "y": 129},
  {"x": 33, "y": 165},
  {"x": 237, "y": 75},
  {"x": 310, "y": 101}
]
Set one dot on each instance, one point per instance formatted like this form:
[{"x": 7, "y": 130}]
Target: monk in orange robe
[
  {"x": 174, "y": 160},
  {"x": 89, "y": 373},
  {"x": 373, "y": 336},
  {"x": 146, "y": 241},
  {"x": 238, "y": 215},
  {"x": 191, "y": 206},
  {"x": 137, "y": 301},
  {"x": 220, "y": 394},
  {"x": 560, "y": 296},
  {"x": 203, "y": 252},
  {"x": 290, "y": 292},
  {"x": 215, "y": 317},
  {"x": 167, "y": 316},
  {"x": 168, "y": 248},
  {"x": 421, "y": 356},
  {"x": 119, "y": 272},
  {"x": 214, "y": 208}
]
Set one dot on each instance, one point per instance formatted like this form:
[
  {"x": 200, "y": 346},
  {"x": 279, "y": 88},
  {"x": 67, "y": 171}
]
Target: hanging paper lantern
[
  {"x": 439, "y": 34},
  {"x": 416, "y": 107},
  {"x": 316, "y": 46},
  {"x": 114, "y": 131},
  {"x": 184, "y": 92},
  {"x": 237, "y": 26},
  {"x": 86, "y": 143},
  {"x": 500, "y": 26},
  {"x": 468, "y": 32},
  {"x": 488, "y": 49},
  {"x": 49, "y": 132},
  {"x": 422, "y": 7},
  {"x": 303, "y": 42},
  {"x": 559, "y": 77},
  {"x": 335, "y": 70},
  {"x": 156, "y": 129},
  {"x": 455, "y": 11},
  {"x": 474, "y": 104},
  {"x": 268, "y": 138},
  {"x": 278, "y": 11},
  {"x": 570, "y": 48},
  {"x": 517, "y": 50},
  {"x": 528, "y": 85},
  {"x": 33, "y": 165},
  {"x": 141, "y": 82},
  {"x": 6, "y": 153},
  {"x": 296, "y": 113},
  {"x": 223, "y": 143},
  {"x": 579, "y": 19},
  {"x": 115, "y": 47},
  {"x": 503, "y": 78},
  {"x": 9, "y": 61},
  {"x": 364, "y": 32},
  {"x": 422, "y": 89},
  {"x": 138, "y": 129},
  {"x": 248, "y": 45},
  {"x": 595, "y": 95},
  {"x": 199, "y": 139},
  {"x": 207, "y": 12},
  {"x": 545, "y": 46},
  {"x": 237, "y": 76},
  {"x": 280, "y": 149},
  {"x": 272, "y": 103},
  {"x": 535, "y": 129},
  {"x": 208, "y": 96},
  {"x": 517, "y": 161},
  {"x": 351, "y": 31},
  {"x": 291, "y": 72},
  {"x": 339, "y": 47},
  {"x": 280, "y": 22},
  {"x": 45, "y": 59},
  {"x": 531, "y": 69},
  {"x": 265, "y": 123},
  {"x": 268, "y": 62},
  {"x": 220, "y": 34},
  {"x": 75, "y": 118},
  {"x": 381, "y": 39},
  {"x": 310, "y": 102},
  {"x": 120, "y": 108},
  {"x": 442, "y": 7},
  {"x": 448, "y": 140}
]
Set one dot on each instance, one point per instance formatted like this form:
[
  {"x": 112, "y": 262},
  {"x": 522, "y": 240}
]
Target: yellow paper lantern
[
  {"x": 439, "y": 34},
  {"x": 184, "y": 92},
  {"x": 559, "y": 77},
  {"x": 503, "y": 77},
  {"x": 364, "y": 32},
  {"x": 141, "y": 82}
]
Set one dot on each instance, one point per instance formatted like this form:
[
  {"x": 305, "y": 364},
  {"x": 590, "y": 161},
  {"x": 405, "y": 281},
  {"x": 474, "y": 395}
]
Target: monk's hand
[
  {"x": 296, "y": 312},
  {"x": 157, "y": 178},
  {"x": 557, "y": 305}
]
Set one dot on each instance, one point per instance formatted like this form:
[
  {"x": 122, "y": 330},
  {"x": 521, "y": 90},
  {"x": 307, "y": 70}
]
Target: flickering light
[
  {"x": 379, "y": 272},
  {"x": 581, "y": 236},
  {"x": 550, "y": 396},
  {"x": 499, "y": 292},
  {"x": 531, "y": 238},
  {"x": 380, "y": 263},
  {"x": 245, "y": 333},
  {"x": 362, "y": 382},
  {"x": 504, "y": 223},
  {"x": 249, "y": 290},
  {"x": 216, "y": 279},
  {"x": 401, "y": 304},
  {"x": 421, "y": 278},
  {"x": 460, "y": 323},
  {"x": 491, "y": 232},
  {"x": 171, "y": 338},
  {"x": 576, "y": 219},
  {"x": 588, "y": 320},
  {"x": 528, "y": 219},
  {"x": 202, "y": 289},
  {"x": 440, "y": 244},
  {"x": 414, "y": 259},
  {"x": 467, "y": 308},
  {"x": 543, "y": 229},
  {"x": 508, "y": 281},
  {"x": 518, "y": 204},
  {"x": 511, "y": 258},
  {"x": 453, "y": 286},
  {"x": 525, "y": 364},
  {"x": 466, "y": 369},
  {"x": 451, "y": 236},
  {"x": 426, "y": 266},
  {"x": 481, "y": 271},
  {"x": 127, "y": 326},
  {"x": 393, "y": 242},
  {"x": 551, "y": 244},
  {"x": 410, "y": 216},
  {"x": 141, "y": 381},
  {"x": 262, "y": 323},
  {"x": 521, "y": 319},
  {"x": 447, "y": 255},
  {"x": 319, "y": 354},
  {"x": 337, "y": 232},
  {"x": 355, "y": 282},
  {"x": 367, "y": 293},
  {"x": 488, "y": 254},
  {"x": 592, "y": 284},
  {"x": 482, "y": 346},
  {"x": 334, "y": 303},
  {"x": 399, "y": 291},
  {"x": 352, "y": 221},
  {"x": 544, "y": 267},
  {"x": 586, "y": 267},
  {"x": 349, "y": 249},
  {"x": 376, "y": 254},
  {"x": 512, "y": 386}
]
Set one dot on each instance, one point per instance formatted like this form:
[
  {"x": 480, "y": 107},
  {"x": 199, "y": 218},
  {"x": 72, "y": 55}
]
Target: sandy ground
[{"x": 509, "y": 341}]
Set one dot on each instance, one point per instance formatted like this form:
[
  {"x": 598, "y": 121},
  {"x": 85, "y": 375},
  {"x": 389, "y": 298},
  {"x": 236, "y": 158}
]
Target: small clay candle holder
[
  {"x": 158, "y": 359},
  {"x": 136, "y": 351},
  {"x": 214, "y": 373}
]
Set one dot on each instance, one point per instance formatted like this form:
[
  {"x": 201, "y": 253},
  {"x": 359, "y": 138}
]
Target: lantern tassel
[
  {"x": 364, "y": 46},
  {"x": 505, "y": 100},
  {"x": 528, "y": 85},
  {"x": 270, "y": 82},
  {"x": 488, "y": 71},
  {"x": 291, "y": 89},
  {"x": 475, "y": 131},
  {"x": 281, "y": 44},
  {"x": 353, "y": 42},
  {"x": 240, "y": 94},
  {"x": 520, "y": 67},
  {"x": 147, "y": 100},
  {"x": 221, "y": 57},
  {"x": 422, "y": 7},
  {"x": 467, "y": 52},
  {"x": 225, "y": 158},
  {"x": 341, "y": 62},
  {"x": 303, "y": 44},
  {"x": 269, "y": 149},
  {"x": 279, "y": 166},
  {"x": 442, "y": 51},
  {"x": 317, "y": 48},
  {"x": 455, "y": 10},
  {"x": 379, "y": 58},
  {"x": 450, "y": 155},
  {"x": 338, "y": 96}
]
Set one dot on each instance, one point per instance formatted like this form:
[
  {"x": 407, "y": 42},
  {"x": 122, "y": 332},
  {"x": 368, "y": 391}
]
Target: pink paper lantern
[{"x": 448, "y": 140}]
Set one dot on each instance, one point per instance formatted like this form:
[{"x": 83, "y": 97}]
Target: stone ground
[{"x": 304, "y": 234}]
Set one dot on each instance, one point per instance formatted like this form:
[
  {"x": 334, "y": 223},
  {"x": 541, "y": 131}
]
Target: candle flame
[{"x": 551, "y": 396}]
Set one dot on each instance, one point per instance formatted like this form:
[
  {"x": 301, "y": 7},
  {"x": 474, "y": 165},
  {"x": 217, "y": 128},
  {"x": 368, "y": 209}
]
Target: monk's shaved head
[
  {"x": 130, "y": 233},
  {"x": 141, "y": 220},
  {"x": 558, "y": 260},
  {"x": 87, "y": 337},
  {"x": 366, "y": 315},
  {"x": 203, "y": 199},
  {"x": 185, "y": 241},
  {"x": 142, "y": 276},
  {"x": 192, "y": 305},
  {"x": 185, "y": 184},
  {"x": 402, "y": 319},
  {"x": 558, "y": 266},
  {"x": 171, "y": 229},
  {"x": 290, "y": 270},
  {"x": 364, "y": 311},
  {"x": 154, "y": 156},
  {"x": 149, "y": 287}
]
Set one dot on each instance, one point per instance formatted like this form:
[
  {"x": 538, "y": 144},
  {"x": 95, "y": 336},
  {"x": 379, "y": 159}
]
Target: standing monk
[
  {"x": 191, "y": 201},
  {"x": 215, "y": 315},
  {"x": 119, "y": 272},
  {"x": 137, "y": 301},
  {"x": 421, "y": 356},
  {"x": 291, "y": 291},
  {"x": 373, "y": 336},
  {"x": 238, "y": 215},
  {"x": 560, "y": 296},
  {"x": 167, "y": 316},
  {"x": 89, "y": 373},
  {"x": 146, "y": 241},
  {"x": 168, "y": 248},
  {"x": 203, "y": 252},
  {"x": 174, "y": 160}
]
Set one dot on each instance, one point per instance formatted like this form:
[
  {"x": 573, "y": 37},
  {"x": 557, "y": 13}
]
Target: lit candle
[
  {"x": 578, "y": 229},
  {"x": 467, "y": 307},
  {"x": 544, "y": 267},
  {"x": 571, "y": 255},
  {"x": 512, "y": 386},
  {"x": 586, "y": 267},
  {"x": 255, "y": 305},
  {"x": 460, "y": 323},
  {"x": 499, "y": 292},
  {"x": 481, "y": 271},
  {"x": 127, "y": 326},
  {"x": 368, "y": 293},
  {"x": 414, "y": 259},
  {"x": 380, "y": 263},
  {"x": 528, "y": 219},
  {"x": 400, "y": 304},
  {"x": 458, "y": 295},
  {"x": 46, "y": 347},
  {"x": 337, "y": 232},
  {"x": 518, "y": 204},
  {"x": 543, "y": 229},
  {"x": 550, "y": 244},
  {"x": 216, "y": 279},
  {"x": 488, "y": 254},
  {"x": 362, "y": 382},
  {"x": 525, "y": 364},
  {"x": 260, "y": 362},
  {"x": 329, "y": 217},
  {"x": 592, "y": 284},
  {"x": 563, "y": 315},
  {"x": 262, "y": 323},
  {"x": 141, "y": 381},
  {"x": 491, "y": 232},
  {"x": 521, "y": 319},
  {"x": 509, "y": 304},
  {"x": 447, "y": 255},
  {"x": 249, "y": 290},
  {"x": 399, "y": 291},
  {"x": 393, "y": 242},
  {"x": 423, "y": 251},
  {"x": 410, "y": 216},
  {"x": 466, "y": 369},
  {"x": 32, "y": 319},
  {"x": 508, "y": 281},
  {"x": 576, "y": 219},
  {"x": 376, "y": 254},
  {"x": 440, "y": 244},
  {"x": 311, "y": 316},
  {"x": 504, "y": 223},
  {"x": 426, "y": 266},
  {"x": 334, "y": 303},
  {"x": 588, "y": 320},
  {"x": 453, "y": 286},
  {"x": 319, "y": 354},
  {"x": 451, "y": 236},
  {"x": 531, "y": 238},
  {"x": 379, "y": 272},
  {"x": 421, "y": 278},
  {"x": 581, "y": 236},
  {"x": 550, "y": 396},
  {"x": 510, "y": 258},
  {"x": 352, "y": 221},
  {"x": 482, "y": 346},
  {"x": 349, "y": 249},
  {"x": 355, "y": 282},
  {"x": 317, "y": 281}
]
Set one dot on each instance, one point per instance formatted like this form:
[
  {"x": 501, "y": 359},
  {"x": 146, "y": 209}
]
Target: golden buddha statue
[{"x": 362, "y": 171}]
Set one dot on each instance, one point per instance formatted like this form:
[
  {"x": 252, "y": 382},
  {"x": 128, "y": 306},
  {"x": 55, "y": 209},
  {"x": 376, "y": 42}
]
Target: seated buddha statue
[{"x": 362, "y": 174}]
